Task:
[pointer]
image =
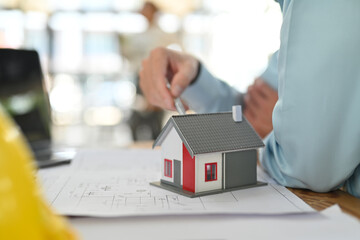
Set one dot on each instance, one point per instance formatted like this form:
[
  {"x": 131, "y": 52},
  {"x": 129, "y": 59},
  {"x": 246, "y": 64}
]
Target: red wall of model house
[{"x": 188, "y": 171}]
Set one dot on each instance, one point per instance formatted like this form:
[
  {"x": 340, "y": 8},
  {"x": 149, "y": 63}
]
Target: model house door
[
  {"x": 240, "y": 168},
  {"x": 177, "y": 173}
]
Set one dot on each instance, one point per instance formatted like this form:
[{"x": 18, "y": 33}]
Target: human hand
[
  {"x": 260, "y": 100},
  {"x": 163, "y": 66}
]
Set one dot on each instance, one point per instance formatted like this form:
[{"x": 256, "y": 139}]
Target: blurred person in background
[
  {"x": 146, "y": 119},
  {"x": 315, "y": 141},
  {"x": 135, "y": 47}
]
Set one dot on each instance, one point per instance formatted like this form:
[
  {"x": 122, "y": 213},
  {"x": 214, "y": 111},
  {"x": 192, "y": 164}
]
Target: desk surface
[{"x": 318, "y": 201}]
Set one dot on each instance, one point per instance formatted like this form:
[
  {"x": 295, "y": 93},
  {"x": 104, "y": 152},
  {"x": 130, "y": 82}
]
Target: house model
[{"x": 204, "y": 154}]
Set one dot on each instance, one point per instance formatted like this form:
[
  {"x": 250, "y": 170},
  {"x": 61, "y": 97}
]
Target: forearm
[
  {"x": 209, "y": 94},
  {"x": 270, "y": 75}
]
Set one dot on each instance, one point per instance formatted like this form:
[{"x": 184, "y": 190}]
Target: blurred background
[{"x": 91, "y": 51}]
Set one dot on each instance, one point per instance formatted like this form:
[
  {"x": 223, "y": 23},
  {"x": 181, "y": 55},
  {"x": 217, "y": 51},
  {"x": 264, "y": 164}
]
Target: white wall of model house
[
  {"x": 171, "y": 149},
  {"x": 200, "y": 161}
]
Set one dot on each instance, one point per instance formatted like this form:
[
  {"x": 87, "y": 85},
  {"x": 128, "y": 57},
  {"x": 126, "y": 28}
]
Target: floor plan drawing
[{"x": 117, "y": 184}]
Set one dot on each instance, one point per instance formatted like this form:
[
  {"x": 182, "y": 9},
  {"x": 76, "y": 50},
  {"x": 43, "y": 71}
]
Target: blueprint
[{"x": 113, "y": 183}]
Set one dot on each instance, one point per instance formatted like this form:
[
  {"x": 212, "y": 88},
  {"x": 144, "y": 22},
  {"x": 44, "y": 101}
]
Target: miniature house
[{"x": 204, "y": 154}]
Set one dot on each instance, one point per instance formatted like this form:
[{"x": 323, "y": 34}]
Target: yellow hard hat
[{"x": 23, "y": 212}]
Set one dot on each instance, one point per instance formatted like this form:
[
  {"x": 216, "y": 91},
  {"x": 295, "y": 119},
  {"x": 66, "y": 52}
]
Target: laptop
[{"x": 22, "y": 94}]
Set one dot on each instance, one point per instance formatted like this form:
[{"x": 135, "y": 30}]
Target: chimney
[{"x": 237, "y": 113}]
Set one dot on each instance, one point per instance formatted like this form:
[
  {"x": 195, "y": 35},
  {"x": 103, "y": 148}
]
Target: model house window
[
  {"x": 168, "y": 168},
  {"x": 210, "y": 172}
]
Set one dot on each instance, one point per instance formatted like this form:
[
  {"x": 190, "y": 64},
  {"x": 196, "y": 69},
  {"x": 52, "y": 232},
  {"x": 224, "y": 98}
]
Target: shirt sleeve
[
  {"x": 209, "y": 94},
  {"x": 316, "y": 137},
  {"x": 352, "y": 185},
  {"x": 270, "y": 75}
]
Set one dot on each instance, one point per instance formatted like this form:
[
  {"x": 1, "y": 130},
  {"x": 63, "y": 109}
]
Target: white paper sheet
[
  {"x": 116, "y": 183},
  {"x": 333, "y": 224}
]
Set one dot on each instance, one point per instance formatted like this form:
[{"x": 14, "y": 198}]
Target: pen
[{"x": 178, "y": 104}]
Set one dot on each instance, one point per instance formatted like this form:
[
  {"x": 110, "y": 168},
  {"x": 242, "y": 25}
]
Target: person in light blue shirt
[{"x": 315, "y": 143}]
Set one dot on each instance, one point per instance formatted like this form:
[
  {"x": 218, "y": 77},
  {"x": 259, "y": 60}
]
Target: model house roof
[{"x": 213, "y": 132}]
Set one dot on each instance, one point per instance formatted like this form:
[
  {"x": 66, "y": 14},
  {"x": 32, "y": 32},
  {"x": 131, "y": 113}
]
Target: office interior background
[{"x": 91, "y": 52}]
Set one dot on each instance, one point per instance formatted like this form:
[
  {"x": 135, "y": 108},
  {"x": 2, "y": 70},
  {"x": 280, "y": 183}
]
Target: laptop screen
[{"x": 22, "y": 93}]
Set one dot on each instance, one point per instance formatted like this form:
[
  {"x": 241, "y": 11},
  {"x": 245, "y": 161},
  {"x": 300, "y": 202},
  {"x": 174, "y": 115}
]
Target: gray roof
[{"x": 213, "y": 132}]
